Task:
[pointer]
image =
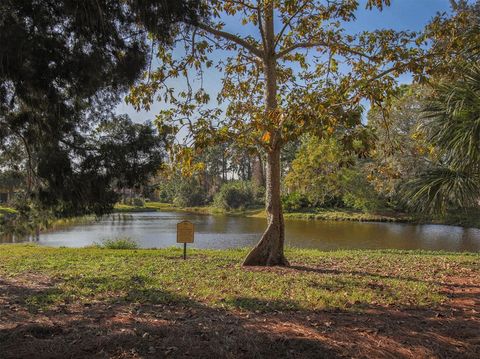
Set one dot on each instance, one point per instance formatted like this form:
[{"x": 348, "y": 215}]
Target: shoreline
[{"x": 337, "y": 215}]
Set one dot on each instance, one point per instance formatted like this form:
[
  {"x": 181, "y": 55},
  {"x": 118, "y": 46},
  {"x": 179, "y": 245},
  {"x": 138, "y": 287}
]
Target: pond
[{"x": 157, "y": 229}]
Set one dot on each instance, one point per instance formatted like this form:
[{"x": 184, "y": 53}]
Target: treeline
[{"x": 401, "y": 166}]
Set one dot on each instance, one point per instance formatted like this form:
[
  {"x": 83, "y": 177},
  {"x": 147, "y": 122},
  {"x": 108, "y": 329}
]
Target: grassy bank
[
  {"x": 57, "y": 303},
  {"x": 344, "y": 215},
  {"x": 147, "y": 207},
  {"x": 159, "y": 206}
]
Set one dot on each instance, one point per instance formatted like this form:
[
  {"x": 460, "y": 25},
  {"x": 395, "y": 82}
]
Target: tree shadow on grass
[
  {"x": 178, "y": 328},
  {"x": 260, "y": 305},
  {"x": 152, "y": 323},
  {"x": 309, "y": 269}
]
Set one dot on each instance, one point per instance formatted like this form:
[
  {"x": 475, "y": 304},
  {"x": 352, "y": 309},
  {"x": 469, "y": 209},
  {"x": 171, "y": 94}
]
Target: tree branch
[
  {"x": 307, "y": 45},
  {"x": 289, "y": 21},
  {"x": 249, "y": 6},
  {"x": 260, "y": 26},
  {"x": 231, "y": 37}
]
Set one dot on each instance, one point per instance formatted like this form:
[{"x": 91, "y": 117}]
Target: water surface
[{"x": 157, "y": 230}]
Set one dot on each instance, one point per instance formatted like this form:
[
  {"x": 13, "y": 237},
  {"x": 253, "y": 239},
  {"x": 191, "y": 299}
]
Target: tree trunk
[{"x": 269, "y": 251}]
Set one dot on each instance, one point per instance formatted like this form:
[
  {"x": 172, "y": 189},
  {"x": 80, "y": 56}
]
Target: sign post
[{"x": 185, "y": 234}]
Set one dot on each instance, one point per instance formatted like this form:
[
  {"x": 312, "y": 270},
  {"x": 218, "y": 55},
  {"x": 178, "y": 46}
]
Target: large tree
[
  {"x": 293, "y": 68},
  {"x": 64, "y": 65}
]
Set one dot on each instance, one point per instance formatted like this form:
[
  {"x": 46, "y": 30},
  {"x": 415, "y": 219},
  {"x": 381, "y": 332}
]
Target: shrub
[
  {"x": 235, "y": 195},
  {"x": 165, "y": 191},
  {"x": 118, "y": 243},
  {"x": 294, "y": 201},
  {"x": 359, "y": 193},
  {"x": 258, "y": 195},
  {"x": 189, "y": 193}
]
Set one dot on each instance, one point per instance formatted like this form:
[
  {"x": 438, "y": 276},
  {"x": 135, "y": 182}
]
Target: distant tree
[
  {"x": 189, "y": 193},
  {"x": 64, "y": 65},
  {"x": 317, "y": 170},
  {"x": 235, "y": 195},
  {"x": 297, "y": 70},
  {"x": 400, "y": 151},
  {"x": 116, "y": 155},
  {"x": 10, "y": 181},
  {"x": 358, "y": 191}
]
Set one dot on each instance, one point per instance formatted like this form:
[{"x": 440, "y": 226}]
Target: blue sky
[{"x": 401, "y": 15}]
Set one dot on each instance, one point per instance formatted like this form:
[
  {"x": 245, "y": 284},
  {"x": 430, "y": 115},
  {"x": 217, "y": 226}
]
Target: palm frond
[
  {"x": 452, "y": 121},
  {"x": 440, "y": 188}
]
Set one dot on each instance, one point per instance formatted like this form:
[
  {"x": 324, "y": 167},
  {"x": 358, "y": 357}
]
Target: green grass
[
  {"x": 147, "y": 207},
  {"x": 249, "y": 212},
  {"x": 342, "y": 215},
  {"x": 347, "y": 280},
  {"x": 159, "y": 206},
  {"x": 6, "y": 210}
]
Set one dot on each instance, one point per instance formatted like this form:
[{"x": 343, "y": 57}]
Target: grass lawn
[
  {"x": 344, "y": 215},
  {"x": 147, "y": 207},
  {"x": 6, "y": 210},
  {"x": 151, "y": 303}
]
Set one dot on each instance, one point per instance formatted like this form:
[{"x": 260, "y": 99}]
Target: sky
[{"x": 410, "y": 15}]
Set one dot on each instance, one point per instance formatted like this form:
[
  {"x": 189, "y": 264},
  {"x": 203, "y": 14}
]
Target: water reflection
[{"x": 157, "y": 229}]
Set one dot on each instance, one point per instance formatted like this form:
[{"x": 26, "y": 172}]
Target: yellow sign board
[{"x": 185, "y": 232}]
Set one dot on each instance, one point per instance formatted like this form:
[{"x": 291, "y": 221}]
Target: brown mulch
[{"x": 100, "y": 330}]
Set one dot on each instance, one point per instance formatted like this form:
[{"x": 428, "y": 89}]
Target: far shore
[{"x": 466, "y": 219}]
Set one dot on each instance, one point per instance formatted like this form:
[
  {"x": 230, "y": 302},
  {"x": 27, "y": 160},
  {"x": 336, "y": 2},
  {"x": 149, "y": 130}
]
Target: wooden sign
[{"x": 185, "y": 230}]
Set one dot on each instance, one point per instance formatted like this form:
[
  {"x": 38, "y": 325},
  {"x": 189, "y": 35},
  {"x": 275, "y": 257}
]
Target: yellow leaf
[{"x": 266, "y": 137}]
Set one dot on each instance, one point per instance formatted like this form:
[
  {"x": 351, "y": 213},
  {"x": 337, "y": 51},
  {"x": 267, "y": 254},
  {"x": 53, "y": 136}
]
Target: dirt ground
[{"x": 129, "y": 330}]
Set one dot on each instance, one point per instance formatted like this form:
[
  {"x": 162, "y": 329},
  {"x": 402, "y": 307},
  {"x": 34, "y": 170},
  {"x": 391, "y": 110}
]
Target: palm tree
[{"x": 451, "y": 123}]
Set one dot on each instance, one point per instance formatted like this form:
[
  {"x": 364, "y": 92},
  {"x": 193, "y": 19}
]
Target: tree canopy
[{"x": 64, "y": 65}]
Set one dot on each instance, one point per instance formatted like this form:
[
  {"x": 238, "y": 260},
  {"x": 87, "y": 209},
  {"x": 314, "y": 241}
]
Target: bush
[
  {"x": 235, "y": 195},
  {"x": 294, "y": 201},
  {"x": 189, "y": 193},
  {"x": 165, "y": 191},
  {"x": 138, "y": 202},
  {"x": 118, "y": 243},
  {"x": 359, "y": 193}
]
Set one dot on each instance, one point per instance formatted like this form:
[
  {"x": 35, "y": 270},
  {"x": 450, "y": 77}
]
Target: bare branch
[
  {"x": 260, "y": 26},
  {"x": 453, "y": 4}
]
